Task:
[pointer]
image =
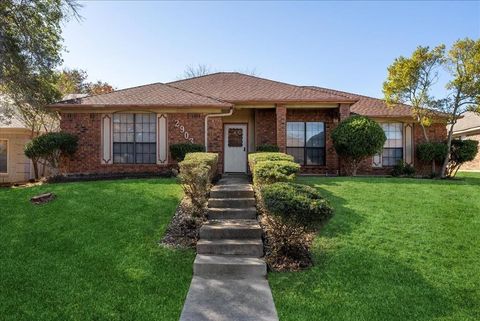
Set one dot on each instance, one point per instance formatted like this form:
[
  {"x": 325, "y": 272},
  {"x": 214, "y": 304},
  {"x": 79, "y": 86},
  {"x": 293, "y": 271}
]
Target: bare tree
[{"x": 196, "y": 71}]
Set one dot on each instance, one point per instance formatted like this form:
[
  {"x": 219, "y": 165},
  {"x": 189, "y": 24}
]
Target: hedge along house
[{"x": 130, "y": 130}]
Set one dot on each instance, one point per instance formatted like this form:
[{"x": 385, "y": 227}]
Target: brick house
[
  {"x": 468, "y": 127},
  {"x": 130, "y": 130}
]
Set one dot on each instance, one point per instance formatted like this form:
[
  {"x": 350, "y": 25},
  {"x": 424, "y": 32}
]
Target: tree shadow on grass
[
  {"x": 344, "y": 220},
  {"x": 358, "y": 284}
]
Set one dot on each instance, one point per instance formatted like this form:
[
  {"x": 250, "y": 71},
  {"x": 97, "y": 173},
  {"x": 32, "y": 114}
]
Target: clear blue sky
[{"x": 340, "y": 45}]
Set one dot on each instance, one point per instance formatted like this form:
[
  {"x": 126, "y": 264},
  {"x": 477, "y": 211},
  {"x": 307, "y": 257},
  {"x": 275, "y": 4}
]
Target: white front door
[{"x": 235, "y": 141}]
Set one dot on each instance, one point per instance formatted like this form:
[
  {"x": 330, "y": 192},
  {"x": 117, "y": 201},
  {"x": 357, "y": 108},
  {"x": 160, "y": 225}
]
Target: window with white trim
[
  {"x": 134, "y": 138},
  {"x": 306, "y": 142},
  {"x": 3, "y": 156},
  {"x": 393, "y": 148}
]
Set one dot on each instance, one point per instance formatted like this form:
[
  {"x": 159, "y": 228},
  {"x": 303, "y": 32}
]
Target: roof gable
[{"x": 240, "y": 88}]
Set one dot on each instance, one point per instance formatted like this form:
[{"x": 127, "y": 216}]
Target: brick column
[
  {"x": 344, "y": 111},
  {"x": 215, "y": 139},
  {"x": 281, "y": 117}
]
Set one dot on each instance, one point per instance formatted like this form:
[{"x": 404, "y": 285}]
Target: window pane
[
  {"x": 315, "y": 156},
  {"x": 235, "y": 137},
  {"x": 315, "y": 135},
  {"x": 298, "y": 154},
  {"x": 295, "y": 134},
  {"x": 391, "y": 156},
  {"x": 3, "y": 156},
  {"x": 123, "y": 153}
]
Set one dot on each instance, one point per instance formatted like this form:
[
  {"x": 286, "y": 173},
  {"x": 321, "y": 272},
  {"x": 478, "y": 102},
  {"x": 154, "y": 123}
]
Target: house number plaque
[{"x": 183, "y": 131}]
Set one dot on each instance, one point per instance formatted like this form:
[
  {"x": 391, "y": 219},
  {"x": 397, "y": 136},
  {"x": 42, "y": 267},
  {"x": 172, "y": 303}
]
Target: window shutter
[
  {"x": 162, "y": 140},
  {"x": 408, "y": 144},
  {"x": 106, "y": 142},
  {"x": 377, "y": 160}
]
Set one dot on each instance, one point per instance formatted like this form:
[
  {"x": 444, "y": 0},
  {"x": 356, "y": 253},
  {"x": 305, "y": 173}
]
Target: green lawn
[
  {"x": 91, "y": 254},
  {"x": 397, "y": 249}
]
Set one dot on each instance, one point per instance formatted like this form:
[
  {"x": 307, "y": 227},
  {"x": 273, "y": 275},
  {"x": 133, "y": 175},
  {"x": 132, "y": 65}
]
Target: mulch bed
[{"x": 183, "y": 230}]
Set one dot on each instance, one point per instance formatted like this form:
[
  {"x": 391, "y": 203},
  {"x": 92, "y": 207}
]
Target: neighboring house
[
  {"x": 468, "y": 127},
  {"x": 14, "y": 165},
  {"x": 130, "y": 130}
]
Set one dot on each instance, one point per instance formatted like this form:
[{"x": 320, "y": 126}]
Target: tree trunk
[
  {"x": 35, "y": 167},
  {"x": 447, "y": 157}
]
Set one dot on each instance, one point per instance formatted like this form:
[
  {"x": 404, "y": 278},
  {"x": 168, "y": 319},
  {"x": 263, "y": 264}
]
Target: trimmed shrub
[
  {"x": 210, "y": 159},
  {"x": 296, "y": 204},
  {"x": 292, "y": 214},
  {"x": 50, "y": 147},
  {"x": 432, "y": 151},
  {"x": 268, "y": 148},
  {"x": 357, "y": 138},
  {"x": 178, "y": 151},
  {"x": 196, "y": 173},
  {"x": 402, "y": 169},
  {"x": 268, "y": 172},
  {"x": 254, "y": 158},
  {"x": 461, "y": 151}
]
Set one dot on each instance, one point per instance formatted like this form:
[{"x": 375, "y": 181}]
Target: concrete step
[
  {"x": 232, "y": 191},
  {"x": 232, "y": 213},
  {"x": 229, "y": 266},
  {"x": 247, "y": 247},
  {"x": 231, "y": 202},
  {"x": 231, "y": 229}
]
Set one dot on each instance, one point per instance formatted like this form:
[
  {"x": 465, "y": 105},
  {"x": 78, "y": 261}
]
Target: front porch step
[
  {"x": 218, "y": 266},
  {"x": 232, "y": 191},
  {"x": 247, "y": 247},
  {"x": 231, "y": 229},
  {"x": 231, "y": 202},
  {"x": 227, "y": 213}
]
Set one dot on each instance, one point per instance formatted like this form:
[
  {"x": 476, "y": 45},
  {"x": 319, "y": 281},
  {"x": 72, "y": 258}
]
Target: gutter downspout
[{"x": 206, "y": 124}]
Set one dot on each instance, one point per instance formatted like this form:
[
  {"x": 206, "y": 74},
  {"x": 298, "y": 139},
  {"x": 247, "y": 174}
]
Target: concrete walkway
[{"x": 229, "y": 281}]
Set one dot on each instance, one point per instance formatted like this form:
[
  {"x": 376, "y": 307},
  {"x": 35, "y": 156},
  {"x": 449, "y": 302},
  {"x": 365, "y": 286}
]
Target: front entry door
[{"x": 235, "y": 141}]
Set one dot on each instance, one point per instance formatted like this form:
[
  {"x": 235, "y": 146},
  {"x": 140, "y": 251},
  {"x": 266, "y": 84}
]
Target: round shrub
[
  {"x": 296, "y": 204},
  {"x": 357, "y": 138},
  {"x": 178, "y": 151},
  {"x": 432, "y": 151},
  {"x": 267, "y": 148},
  {"x": 268, "y": 172},
  {"x": 50, "y": 147},
  {"x": 461, "y": 151}
]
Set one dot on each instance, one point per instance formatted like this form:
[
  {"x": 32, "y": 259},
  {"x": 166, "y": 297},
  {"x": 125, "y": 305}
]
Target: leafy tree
[
  {"x": 357, "y": 138},
  {"x": 50, "y": 147},
  {"x": 410, "y": 80},
  {"x": 99, "y": 87},
  {"x": 462, "y": 151},
  {"x": 463, "y": 65},
  {"x": 74, "y": 81},
  {"x": 30, "y": 49}
]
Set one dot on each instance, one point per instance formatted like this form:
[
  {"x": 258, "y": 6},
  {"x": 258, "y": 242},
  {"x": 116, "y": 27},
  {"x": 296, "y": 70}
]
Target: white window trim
[{"x": 8, "y": 154}]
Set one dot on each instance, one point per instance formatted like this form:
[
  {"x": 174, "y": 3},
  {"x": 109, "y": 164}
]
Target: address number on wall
[{"x": 183, "y": 131}]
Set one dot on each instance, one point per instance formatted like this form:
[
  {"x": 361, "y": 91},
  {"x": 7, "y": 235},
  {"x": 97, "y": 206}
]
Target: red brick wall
[
  {"x": 87, "y": 159},
  {"x": 215, "y": 139},
  {"x": 265, "y": 127},
  {"x": 280, "y": 116},
  {"x": 330, "y": 118}
]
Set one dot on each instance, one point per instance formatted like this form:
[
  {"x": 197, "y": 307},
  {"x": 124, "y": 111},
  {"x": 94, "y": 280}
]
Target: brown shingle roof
[
  {"x": 157, "y": 94},
  {"x": 239, "y": 88},
  {"x": 369, "y": 106},
  {"x": 470, "y": 121}
]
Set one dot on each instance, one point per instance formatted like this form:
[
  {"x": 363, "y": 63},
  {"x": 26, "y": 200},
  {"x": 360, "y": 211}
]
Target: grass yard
[
  {"x": 92, "y": 253},
  {"x": 397, "y": 249}
]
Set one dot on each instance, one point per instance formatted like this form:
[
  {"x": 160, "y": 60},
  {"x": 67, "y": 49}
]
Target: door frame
[{"x": 246, "y": 143}]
